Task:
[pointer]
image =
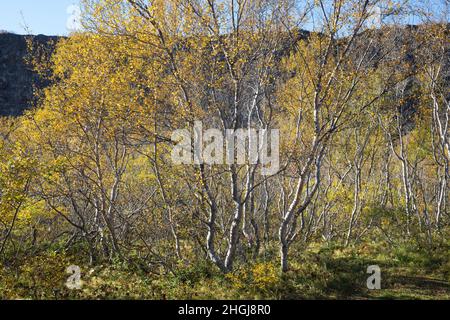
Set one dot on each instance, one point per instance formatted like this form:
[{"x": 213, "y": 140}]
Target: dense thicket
[{"x": 362, "y": 108}]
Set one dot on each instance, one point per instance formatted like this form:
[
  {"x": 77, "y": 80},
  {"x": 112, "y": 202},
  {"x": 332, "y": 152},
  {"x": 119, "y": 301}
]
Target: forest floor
[
  {"x": 406, "y": 272},
  {"x": 319, "y": 272},
  {"x": 398, "y": 283}
]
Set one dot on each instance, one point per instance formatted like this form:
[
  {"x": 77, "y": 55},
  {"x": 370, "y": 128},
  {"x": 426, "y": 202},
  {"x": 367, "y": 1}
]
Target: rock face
[{"x": 16, "y": 78}]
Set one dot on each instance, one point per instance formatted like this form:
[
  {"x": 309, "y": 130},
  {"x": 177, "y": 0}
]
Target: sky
[
  {"x": 49, "y": 17},
  {"x": 55, "y": 17}
]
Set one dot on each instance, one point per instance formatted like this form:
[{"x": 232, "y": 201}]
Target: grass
[{"x": 321, "y": 272}]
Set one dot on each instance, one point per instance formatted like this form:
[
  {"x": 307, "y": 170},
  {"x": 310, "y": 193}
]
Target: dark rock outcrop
[{"x": 17, "y": 80}]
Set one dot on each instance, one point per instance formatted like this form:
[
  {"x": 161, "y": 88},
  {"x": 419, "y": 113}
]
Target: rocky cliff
[{"x": 17, "y": 80}]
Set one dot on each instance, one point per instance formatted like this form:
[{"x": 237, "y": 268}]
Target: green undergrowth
[{"x": 319, "y": 272}]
